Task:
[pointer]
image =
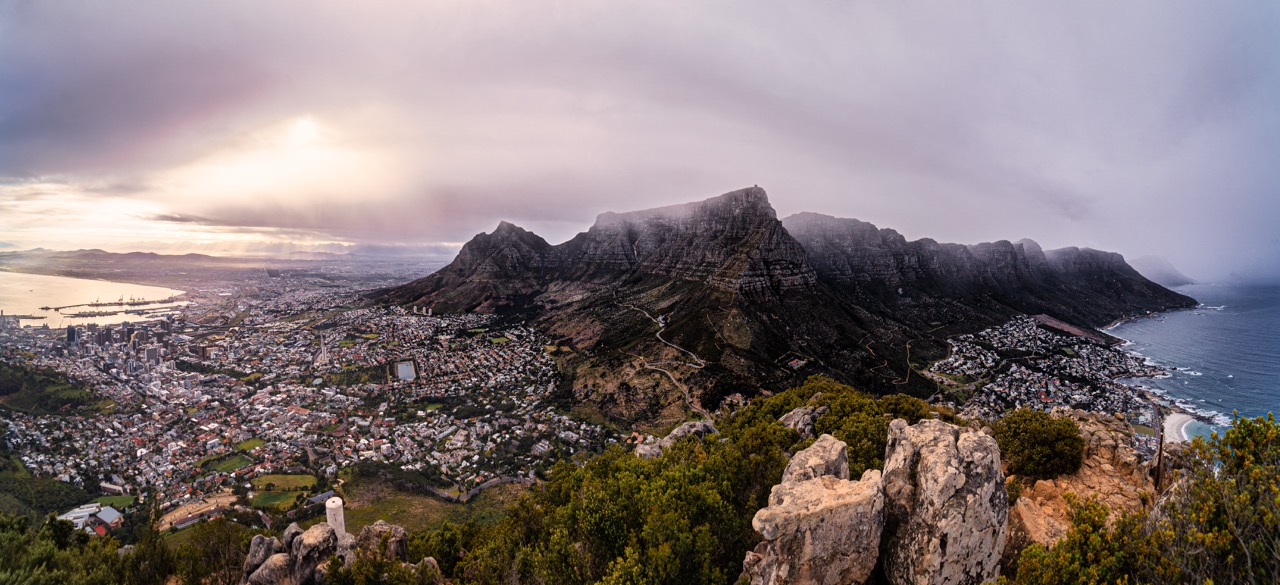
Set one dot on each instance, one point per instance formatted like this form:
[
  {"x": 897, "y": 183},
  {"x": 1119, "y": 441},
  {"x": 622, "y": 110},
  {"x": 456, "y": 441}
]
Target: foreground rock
[
  {"x": 819, "y": 526},
  {"x": 303, "y": 557},
  {"x": 936, "y": 515},
  {"x": 945, "y": 505}
]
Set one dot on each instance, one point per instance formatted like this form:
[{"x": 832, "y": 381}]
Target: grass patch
[
  {"x": 498, "y": 340},
  {"x": 432, "y": 406},
  {"x": 369, "y": 502},
  {"x": 1144, "y": 430},
  {"x": 276, "y": 501},
  {"x": 357, "y": 376},
  {"x": 251, "y": 444},
  {"x": 117, "y": 502},
  {"x": 284, "y": 483},
  {"x": 229, "y": 464}
]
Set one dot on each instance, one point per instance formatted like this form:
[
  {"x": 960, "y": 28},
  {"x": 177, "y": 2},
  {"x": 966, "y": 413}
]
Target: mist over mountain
[
  {"x": 1159, "y": 269},
  {"x": 744, "y": 300}
]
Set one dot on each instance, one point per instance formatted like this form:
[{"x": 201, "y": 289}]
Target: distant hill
[
  {"x": 1159, "y": 269},
  {"x": 763, "y": 302}
]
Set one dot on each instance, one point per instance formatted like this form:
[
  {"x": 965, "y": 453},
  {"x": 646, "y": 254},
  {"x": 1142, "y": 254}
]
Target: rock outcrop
[
  {"x": 386, "y": 540},
  {"x": 818, "y": 528},
  {"x": 945, "y": 505},
  {"x": 700, "y": 428},
  {"x": 303, "y": 557},
  {"x": 1111, "y": 470},
  {"x": 803, "y": 419},
  {"x": 936, "y": 515},
  {"x": 827, "y": 456},
  {"x": 311, "y": 550}
]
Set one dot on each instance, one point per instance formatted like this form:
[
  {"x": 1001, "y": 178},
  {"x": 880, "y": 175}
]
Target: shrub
[{"x": 1038, "y": 445}]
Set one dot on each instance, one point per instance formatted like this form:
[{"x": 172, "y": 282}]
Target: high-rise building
[{"x": 72, "y": 335}]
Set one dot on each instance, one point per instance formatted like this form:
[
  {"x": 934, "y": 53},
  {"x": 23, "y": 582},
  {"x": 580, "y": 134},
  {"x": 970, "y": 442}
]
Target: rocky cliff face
[
  {"x": 936, "y": 515},
  {"x": 962, "y": 287},
  {"x": 725, "y": 280}
]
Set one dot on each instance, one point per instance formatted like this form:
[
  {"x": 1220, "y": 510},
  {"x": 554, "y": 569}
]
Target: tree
[
  {"x": 1223, "y": 515},
  {"x": 1038, "y": 445},
  {"x": 214, "y": 553}
]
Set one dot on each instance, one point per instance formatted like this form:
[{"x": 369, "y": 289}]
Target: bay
[{"x": 25, "y": 294}]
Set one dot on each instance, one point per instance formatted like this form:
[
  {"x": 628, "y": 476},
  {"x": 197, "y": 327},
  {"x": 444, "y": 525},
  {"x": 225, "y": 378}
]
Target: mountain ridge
[{"x": 763, "y": 302}]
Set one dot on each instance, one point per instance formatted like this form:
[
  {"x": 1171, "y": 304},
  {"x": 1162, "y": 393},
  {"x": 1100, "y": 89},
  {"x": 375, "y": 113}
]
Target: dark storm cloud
[{"x": 1144, "y": 127}]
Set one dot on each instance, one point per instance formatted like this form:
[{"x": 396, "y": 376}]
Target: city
[{"x": 242, "y": 384}]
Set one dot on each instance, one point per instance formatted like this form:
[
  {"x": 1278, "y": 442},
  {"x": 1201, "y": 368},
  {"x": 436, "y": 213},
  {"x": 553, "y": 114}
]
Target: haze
[{"x": 1148, "y": 128}]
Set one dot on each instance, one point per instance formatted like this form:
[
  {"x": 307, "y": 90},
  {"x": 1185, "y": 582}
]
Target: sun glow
[
  {"x": 300, "y": 159},
  {"x": 303, "y": 131}
]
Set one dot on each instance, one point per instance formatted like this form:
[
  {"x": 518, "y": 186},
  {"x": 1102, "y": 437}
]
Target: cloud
[{"x": 1146, "y": 127}]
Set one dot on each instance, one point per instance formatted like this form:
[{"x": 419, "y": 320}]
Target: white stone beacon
[{"x": 333, "y": 509}]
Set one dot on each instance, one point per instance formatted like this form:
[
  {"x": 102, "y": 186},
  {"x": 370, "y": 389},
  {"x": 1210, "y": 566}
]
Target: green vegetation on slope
[
  {"x": 41, "y": 391},
  {"x": 24, "y": 495}
]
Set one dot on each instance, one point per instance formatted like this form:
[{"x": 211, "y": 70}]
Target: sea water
[
  {"x": 25, "y": 294},
  {"x": 1223, "y": 356}
]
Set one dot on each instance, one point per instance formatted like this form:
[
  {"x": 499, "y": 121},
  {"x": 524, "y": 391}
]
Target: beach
[{"x": 1175, "y": 426}]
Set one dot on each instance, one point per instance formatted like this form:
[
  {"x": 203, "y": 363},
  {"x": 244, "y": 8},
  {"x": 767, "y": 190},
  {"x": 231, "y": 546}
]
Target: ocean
[
  {"x": 1223, "y": 356},
  {"x": 25, "y": 294}
]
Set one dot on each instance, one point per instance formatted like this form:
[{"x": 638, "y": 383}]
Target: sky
[{"x": 1143, "y": 127}]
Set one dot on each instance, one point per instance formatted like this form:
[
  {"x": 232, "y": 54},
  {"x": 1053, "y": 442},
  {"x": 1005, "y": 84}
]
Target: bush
[{"x": 1038, "y": 445}]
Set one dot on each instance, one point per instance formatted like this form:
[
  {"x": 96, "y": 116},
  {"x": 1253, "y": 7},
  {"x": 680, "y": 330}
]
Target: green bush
[{"x": 1038, "y": 445}]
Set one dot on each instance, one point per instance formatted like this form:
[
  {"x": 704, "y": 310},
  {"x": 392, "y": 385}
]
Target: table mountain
[{"x": 694, "y": 302}]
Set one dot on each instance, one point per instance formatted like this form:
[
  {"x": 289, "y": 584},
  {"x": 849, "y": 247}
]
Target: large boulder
[
  {"x": 311, "y": 551},
  {"x": 261, "y": 548},
  {"x": 945, "y": 505},
  {"x": 819, "y": 527},
  {"x": 290, "y": 533},
  {"x": 388, "y": 540},
  {"x": 826, "y": 456},
  {"x": 275, "y": 570}
]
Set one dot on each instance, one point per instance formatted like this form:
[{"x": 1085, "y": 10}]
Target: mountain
[
  {"x": 699, "y": 301},
  {"x": 1159, "y": 269}
]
